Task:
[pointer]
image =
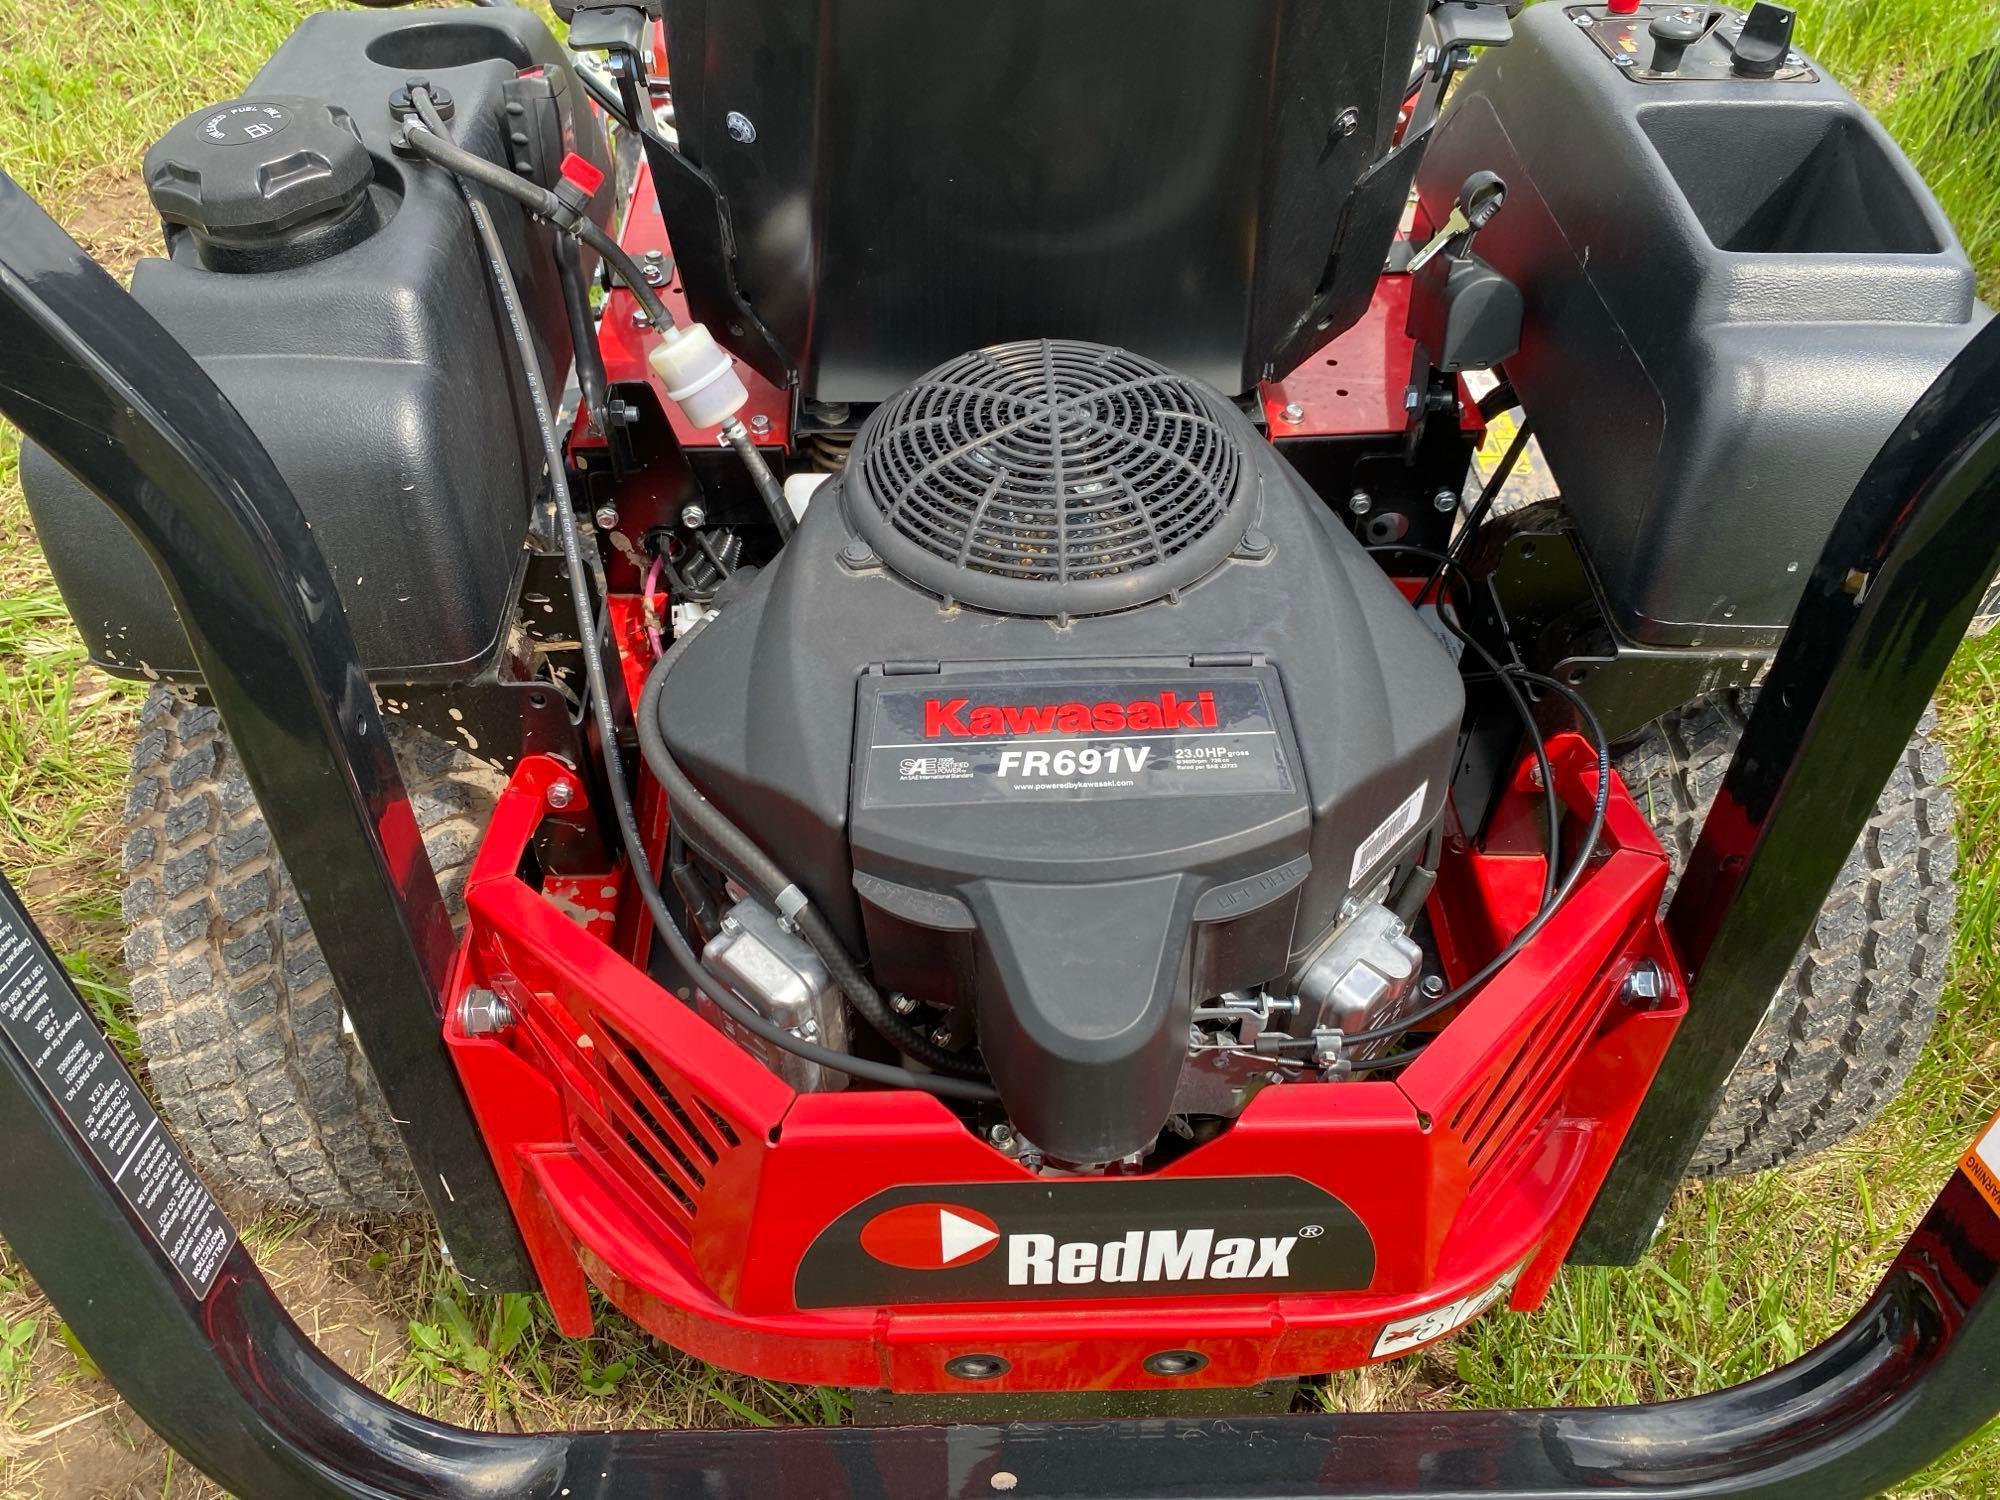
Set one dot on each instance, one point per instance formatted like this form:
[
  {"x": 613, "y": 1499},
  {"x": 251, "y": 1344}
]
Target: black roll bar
[
  {"x": 90, "y": 376},
  {"x": 213, "y": 1363}
]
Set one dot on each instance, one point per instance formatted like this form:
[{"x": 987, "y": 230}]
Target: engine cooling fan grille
[{"x": 1050, "y": 478}]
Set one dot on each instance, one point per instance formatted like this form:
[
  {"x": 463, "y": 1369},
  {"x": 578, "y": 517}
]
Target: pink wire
[{"x": 653, "y": 636}]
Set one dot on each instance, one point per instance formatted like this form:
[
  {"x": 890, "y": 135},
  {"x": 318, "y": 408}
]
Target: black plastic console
[{"x": 1736, "y": 286}]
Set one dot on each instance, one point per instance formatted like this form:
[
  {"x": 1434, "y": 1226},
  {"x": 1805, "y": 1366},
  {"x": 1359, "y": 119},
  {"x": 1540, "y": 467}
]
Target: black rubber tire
[
  {"x": 241, "y": 1028},
  {"x": 1862, "y": 996}
]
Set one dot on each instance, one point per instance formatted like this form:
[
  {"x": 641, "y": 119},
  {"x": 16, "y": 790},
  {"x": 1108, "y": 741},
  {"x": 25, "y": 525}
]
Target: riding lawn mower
[{"x": 839, "y": 676}]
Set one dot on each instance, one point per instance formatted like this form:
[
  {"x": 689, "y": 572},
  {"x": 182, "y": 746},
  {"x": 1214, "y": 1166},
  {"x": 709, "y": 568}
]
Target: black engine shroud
[{"x": 1079, "y": 825}]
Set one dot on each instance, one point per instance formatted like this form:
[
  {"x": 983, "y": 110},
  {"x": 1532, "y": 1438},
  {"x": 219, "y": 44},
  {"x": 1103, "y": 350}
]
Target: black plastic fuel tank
[
  {"x": 1736, "y": 285},
  {"x": 335, "y": 293}
]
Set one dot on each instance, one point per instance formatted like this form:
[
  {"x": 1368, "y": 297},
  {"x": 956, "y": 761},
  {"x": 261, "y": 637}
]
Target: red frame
[{"x": 648, "y": 1155}]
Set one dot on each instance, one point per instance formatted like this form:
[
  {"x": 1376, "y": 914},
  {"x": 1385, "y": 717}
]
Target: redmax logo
[
  {"x": 1122, "y": 1238},
  {"x": 929, "y": 1236},
  {"x": 954, "y": 718},
  {"x": 935, "y": 1236}
]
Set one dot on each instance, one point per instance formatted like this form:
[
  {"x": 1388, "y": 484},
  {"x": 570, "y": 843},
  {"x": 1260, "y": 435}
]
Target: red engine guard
[{"x": 646, "y": 1154}]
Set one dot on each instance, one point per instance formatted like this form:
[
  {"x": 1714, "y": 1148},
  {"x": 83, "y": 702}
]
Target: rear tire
[
  {"x": 241, "y": 1027},
  {"x": 1847, "y": 1025}
]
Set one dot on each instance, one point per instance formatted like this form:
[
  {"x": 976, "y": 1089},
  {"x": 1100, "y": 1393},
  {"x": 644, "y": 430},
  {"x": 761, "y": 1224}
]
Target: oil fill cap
[{"x": 252, "y": 170}]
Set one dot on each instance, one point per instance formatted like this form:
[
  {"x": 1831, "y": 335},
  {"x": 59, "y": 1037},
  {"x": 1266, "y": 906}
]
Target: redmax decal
[{"x": 1043, "y": 1241}]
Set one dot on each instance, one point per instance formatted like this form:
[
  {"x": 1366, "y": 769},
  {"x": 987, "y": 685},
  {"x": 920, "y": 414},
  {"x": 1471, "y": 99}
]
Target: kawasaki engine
[{"x": 1076, "y": 713}]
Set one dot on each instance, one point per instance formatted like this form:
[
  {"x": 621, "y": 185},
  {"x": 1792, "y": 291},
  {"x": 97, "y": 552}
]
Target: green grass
[
  {"x": 1930, "y": 69},
  {"x": 1748, "y": 1272}
]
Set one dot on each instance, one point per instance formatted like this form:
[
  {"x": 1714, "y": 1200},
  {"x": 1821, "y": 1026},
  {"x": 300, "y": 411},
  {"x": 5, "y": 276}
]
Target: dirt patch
[
  {"x": 111, "y": 217},
  {"x": 74, "y": 1438}
]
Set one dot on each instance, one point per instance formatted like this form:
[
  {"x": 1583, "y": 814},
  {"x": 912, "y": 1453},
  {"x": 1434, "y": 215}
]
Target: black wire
[
  {"x": 1382, "y": 1064},
  {"x": 708, "y": 551},
  {"x": 1586, "y": 850},
  {"x": 429, "y": 138},
  {"x": 741, "y": 856},
  {"x": 1551, "y": 807},
  {"x": 607, "y": 101},
  {"x": 711, "y": 984},
  {"x": 590, "y": 378},
  {"x": 1479, "y": 512}
]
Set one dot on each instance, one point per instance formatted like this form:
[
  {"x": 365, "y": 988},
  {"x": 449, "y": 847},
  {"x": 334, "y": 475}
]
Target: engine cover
[{"x": 1072, "y": 705}]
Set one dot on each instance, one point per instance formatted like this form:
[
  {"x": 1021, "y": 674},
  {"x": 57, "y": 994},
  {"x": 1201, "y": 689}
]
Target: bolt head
[
  {"x": 653, "y": 275},
  {"x": 1647, "y": 986},
  {"x": 739, "y": 127},
  {"x": 1446, "y": 501},
  {"x": 654, "y": 257},
  {"x": 760, "y": 423},
  {"x": 483, "y": 1013},
  {"x": 640, "y": 318},
  {"x": 606, "y": 517},
  {"x": 1293, "y": 413},
  {"x": 1433, "y": 986},
  {"x": 1582, "y": 21},
  {"x": 1623, "y": 61},
  {"x": 693, "y": 516},
  {"x": 561, "y": 794},
  {"x": 1358, "y": 503}
]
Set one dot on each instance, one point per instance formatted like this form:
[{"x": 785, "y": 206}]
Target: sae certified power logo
[{"x": 1034, "y": 1241}]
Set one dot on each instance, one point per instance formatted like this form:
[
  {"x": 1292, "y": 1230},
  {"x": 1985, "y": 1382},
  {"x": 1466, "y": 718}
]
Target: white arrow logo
[{"x": 958, "y": 1237}]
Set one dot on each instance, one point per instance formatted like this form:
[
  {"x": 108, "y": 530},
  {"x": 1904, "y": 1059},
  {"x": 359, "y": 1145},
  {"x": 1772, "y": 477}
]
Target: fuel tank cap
[{"x": 263, "y": 182}]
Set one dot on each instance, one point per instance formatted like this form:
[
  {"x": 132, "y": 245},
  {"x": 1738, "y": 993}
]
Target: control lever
[
  {"x": 1478, "y": 201},
  {"x": 1673, "y": 32},
  {"x": 1766, "y": 40}
]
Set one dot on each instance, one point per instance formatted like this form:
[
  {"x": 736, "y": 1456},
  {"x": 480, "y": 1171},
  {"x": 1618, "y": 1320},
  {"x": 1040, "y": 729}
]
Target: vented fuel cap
[{"x": 262, "y": 181}]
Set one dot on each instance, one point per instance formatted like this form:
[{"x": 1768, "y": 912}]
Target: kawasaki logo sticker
[
  {"x": 1033, "y": 1241},
  {"x": 955, "y": 718},
  {"x": 1072, "y": 735}
]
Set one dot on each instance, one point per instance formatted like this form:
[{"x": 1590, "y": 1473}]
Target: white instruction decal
[
  {"x": 42, "y": 1018},
  {"x": 1394, "y": 828}
]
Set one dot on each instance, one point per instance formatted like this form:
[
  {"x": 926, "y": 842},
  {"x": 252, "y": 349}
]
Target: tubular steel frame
[{"x": 230, "y": 1380}]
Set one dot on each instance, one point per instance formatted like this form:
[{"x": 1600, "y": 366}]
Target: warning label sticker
[
  {"x": 1982, "y": 1163},
  {"x": 41, "y": 1017},
  {"x": 1075, "y": 739},
  {"x": 1406, "y": 1334}
]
